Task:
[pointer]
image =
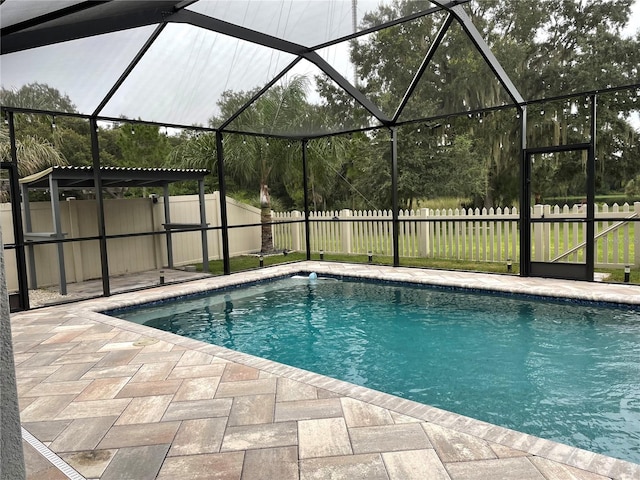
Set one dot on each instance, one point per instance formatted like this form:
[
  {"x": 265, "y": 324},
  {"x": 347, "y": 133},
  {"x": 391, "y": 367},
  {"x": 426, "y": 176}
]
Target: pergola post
[
  {"x": 203, "y": 226},
  {"x": 28, "y": 228},
  {"x": 57, "y": 232},
  {"x": 167, "y": 223}
]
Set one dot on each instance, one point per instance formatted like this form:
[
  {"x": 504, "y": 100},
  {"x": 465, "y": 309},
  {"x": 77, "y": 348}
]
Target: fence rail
[
  {"x": 131, "y": 254},
  {"x": 483, "y": 235},
  {"x": 474, "y": 235}
]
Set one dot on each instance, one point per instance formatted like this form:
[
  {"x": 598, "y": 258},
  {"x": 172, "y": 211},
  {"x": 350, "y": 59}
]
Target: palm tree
[
  {"x": 251, "y": 157},
  {"x": 279, "y": 110},
  {"x": 34, "y": 154}
]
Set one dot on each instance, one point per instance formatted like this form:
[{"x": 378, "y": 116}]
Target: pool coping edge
[{"x": 582, "y": 459}]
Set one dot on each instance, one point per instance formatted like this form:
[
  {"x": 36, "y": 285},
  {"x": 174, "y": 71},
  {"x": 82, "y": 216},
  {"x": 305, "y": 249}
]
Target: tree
[
  {"x": 271, "y": 164},
  {"x": 549, "y": 47},
  {"x": 38, "y": 137},
  {"x": 250, "y": 159},
  {"x": 196, "y": 150},
  {"x": 37, "y": 96},
  {"x": 132, "y": 146},
  {"x": 34, "y": 154},
  {"x": 141, "y": 146}
]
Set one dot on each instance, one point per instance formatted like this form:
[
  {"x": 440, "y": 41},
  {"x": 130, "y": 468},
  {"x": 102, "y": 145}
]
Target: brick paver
[{"x": 115, "y": 399}]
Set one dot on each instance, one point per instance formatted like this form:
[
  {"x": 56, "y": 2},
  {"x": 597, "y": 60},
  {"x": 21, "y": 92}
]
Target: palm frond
[{"x": 34, "y": 154}]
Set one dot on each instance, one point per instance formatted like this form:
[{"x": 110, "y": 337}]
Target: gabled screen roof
[{"x": 183, "y": 63}]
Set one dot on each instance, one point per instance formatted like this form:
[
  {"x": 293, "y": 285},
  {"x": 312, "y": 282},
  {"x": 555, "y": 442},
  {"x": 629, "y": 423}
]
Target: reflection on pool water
[{"x": 558, "y": 370}]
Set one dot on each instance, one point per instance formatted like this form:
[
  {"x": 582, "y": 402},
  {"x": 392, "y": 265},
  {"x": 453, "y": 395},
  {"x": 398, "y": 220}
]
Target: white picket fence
[{"x": 485, "y": 235}]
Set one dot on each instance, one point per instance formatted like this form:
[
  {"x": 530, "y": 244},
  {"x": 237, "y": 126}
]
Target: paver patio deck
[{"x": 102, "y": 398}]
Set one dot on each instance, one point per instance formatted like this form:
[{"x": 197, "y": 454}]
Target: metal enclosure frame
[
  {"x": 20, "y": 300},
  {"x": 98, "y": 18},
  {"x": 564, "y": 270}
]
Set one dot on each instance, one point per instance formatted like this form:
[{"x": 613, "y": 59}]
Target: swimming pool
[{"x": 557, "y": 370}]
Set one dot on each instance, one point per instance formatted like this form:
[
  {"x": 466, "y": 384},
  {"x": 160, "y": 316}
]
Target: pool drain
[{"x": 55, "y": 460}]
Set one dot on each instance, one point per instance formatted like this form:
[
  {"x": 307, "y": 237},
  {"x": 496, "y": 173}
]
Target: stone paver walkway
[
  {"x": 117, "y": 284},
  {"x": 106, "y": 399}
]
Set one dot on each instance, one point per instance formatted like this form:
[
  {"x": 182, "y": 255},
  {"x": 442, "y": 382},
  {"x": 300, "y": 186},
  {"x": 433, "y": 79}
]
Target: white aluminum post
[
  {"x": 295, "y": 231},
  {"x": 636, "y": 236},
  {"x": 538, "y": 234},
  {"x": 345, "y": 231},
  {"x": 424, "y": 227}
]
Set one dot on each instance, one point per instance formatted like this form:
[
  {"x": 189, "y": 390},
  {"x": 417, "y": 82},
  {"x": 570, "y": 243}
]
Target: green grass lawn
[
  {"x": 617, "y": 246},
  {"x": 251, "y": 262}
]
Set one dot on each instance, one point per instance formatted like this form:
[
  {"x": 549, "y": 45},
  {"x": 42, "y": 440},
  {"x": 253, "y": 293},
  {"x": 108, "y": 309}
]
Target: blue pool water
[{"x": 565, "y": 372}]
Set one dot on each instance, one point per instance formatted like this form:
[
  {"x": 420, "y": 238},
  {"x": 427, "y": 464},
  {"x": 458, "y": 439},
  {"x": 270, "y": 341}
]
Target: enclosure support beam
[
  {"x": 343, "y": 83},
  {"x": 156, "y": 33},
  {"x": 49, "y": 17},
  {"x": 591, "y": 193},
  {"x": 237, "y": 31},
  {"x": 394, "y": 197},
  {"x": 525, "y": 197},
  {"x": 223, "y": 204},
  {"x": 258, "y": 94},
  {"x": 18, "y": 232},
  {"x": 203, "y": 226},
  {"x": 305, "y": 188},
  {"x": 167, "y": 222},
  {"x": 35, "y": 33},
  {"x": 97, "y": 184},
  {"x": 425, "y": 63},
  {"x": 493, "y": 63}
]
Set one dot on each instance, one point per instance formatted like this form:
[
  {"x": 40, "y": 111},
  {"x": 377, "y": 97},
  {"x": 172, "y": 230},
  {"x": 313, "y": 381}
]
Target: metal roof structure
[
  {"x": 70, "y": 177},
  {"x": 207, "y": 64},
  {"x": 171, "y": 62},
  {"x": 58, "y": 178},
  {"x": 174, "y": 62}
]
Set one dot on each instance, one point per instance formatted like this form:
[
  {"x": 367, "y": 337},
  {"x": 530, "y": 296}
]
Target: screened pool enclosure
[{"x": 333, "y": 105}]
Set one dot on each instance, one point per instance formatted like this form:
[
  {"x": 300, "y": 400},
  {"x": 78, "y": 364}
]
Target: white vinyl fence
[
  {"x": 476, "y": 235},
  {"x": 484, "y": 235},
  {"x": 129, "y": 254}
]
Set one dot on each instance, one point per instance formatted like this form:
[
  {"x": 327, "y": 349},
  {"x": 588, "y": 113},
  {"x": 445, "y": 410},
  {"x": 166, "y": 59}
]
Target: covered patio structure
[{"x": 58, "y": 178}]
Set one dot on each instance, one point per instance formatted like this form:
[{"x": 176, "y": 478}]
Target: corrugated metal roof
[{"x": 83, "y": 177}]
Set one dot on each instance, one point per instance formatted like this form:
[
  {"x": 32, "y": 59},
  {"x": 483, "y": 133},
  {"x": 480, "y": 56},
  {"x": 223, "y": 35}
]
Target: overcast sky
[
  {"x": 634, "y": 19},
  {"x": 172, "y": 86}
]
